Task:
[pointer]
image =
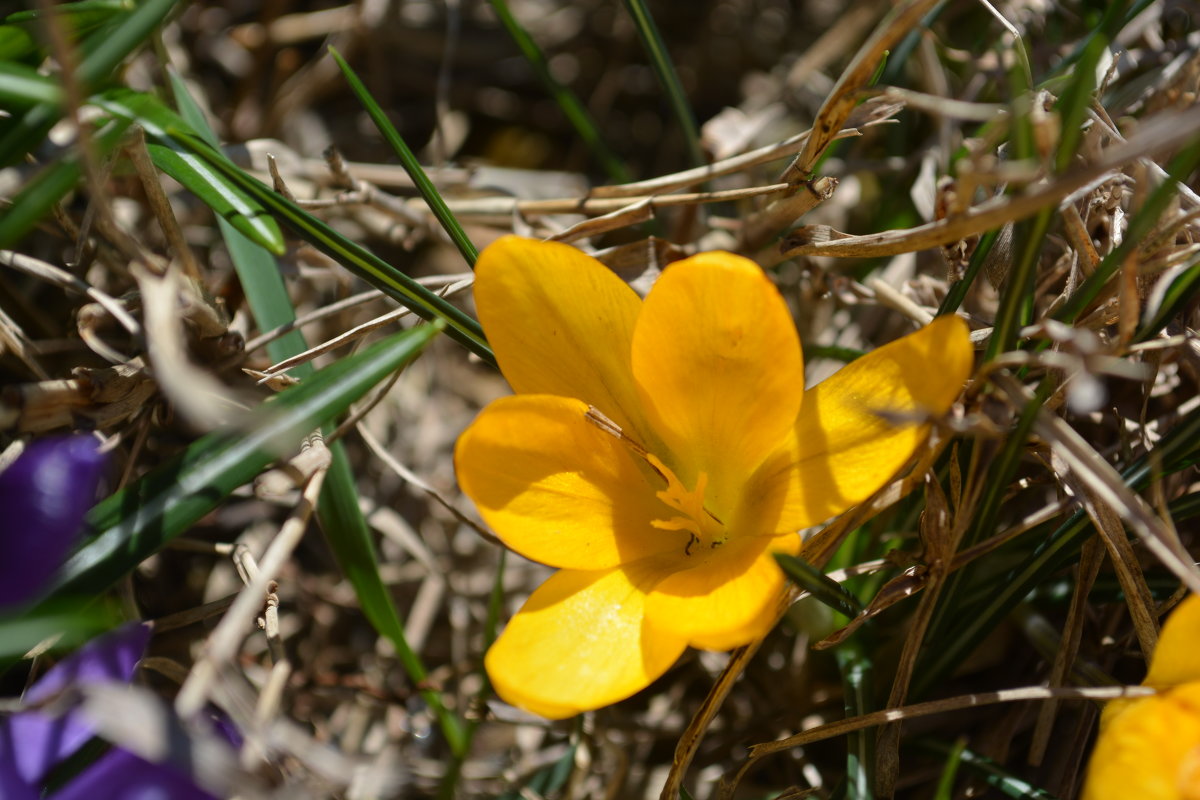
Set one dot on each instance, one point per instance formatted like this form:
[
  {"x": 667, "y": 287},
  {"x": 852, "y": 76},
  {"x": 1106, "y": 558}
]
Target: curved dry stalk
[
  {"x": 817, "y": 551},
  {"x": 506, "y": 206},
  {"x": 1105, "y": 486},
  {"x": 689, "y": 740},
  {"x": 841, "y": 101},
  {"x": 222, "y": 644},
  {"x": 1165, "y": 131},
  {"x": 976, "y": 700}
]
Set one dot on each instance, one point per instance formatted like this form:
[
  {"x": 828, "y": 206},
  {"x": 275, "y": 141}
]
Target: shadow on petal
[
  {"x": 850, "y": 439},
  {"x": 559, "y": 490}
]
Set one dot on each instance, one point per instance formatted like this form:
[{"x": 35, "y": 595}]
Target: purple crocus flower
[
  {"x": 121, "y": 775},
  {"x": 32, "y": 742},
  {"x": 44, "y": 495}
]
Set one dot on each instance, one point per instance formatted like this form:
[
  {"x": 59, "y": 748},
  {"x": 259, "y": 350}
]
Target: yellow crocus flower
[
  {"x": 1149, "y": 747},
  {"x": 658, "y": 453}
]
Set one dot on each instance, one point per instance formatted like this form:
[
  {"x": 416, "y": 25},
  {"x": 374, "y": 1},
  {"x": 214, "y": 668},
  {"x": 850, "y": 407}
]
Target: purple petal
[
  {"x": 120, "y": 775},
  {"x": 12, "y": 785},
  {"x": 32, "y": 742},
  {"x": 45, "y": 494},
  {"x": 223, "y": 727}
]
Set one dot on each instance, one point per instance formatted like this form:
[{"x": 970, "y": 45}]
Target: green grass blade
[
  {"x": 338, "y": 508},
  {"x": 570, "y": 104},
  {"x": 1016, "y": 295},
  {"x": 667, "y": 76},
  {"x": 1001, "y": 472},
  {"x": 1178, "y": 449},
  {"x": 409, "y": 161},
  {"x": 1073, "y": 103},
  {"x": 51, "y": 185},
  {"x": 1144, "y": 219},
  {"x": 547, "y": 780},
  {"x": 1015, "y": 302},
  {"x": 69, "y": 623},
  {"x": 16, "y": 44},
  {"x": 958, "y": 292},
  {"x": 856, "y": 668},
  {"x": 945, "y": 786},
  {"x": 134, "y": 523},
  {"x": 1174, "y": 299},
  {"x": 355, "y": 554},
  {"x": 22, "y": 86},
  {"x": 225, "y": 198},
  {"x": 1004, "y": 782},
  {"x": 819, "y": 585},
  {"x": 111, "y": 45},
  {"x": 80, "y": 17},
  {"x": 353, "y": 256}
]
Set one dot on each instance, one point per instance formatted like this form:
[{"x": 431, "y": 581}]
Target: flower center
[{"x": 705, "y": 529}]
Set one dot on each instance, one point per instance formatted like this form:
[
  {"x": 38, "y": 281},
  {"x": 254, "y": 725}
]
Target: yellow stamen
[{"x": 702, "y": 524}]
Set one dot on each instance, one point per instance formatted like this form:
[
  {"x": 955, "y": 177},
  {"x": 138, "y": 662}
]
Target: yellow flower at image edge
[
  {"x": 658, "y": 453},
  {"x": 1149, "y": 748}
]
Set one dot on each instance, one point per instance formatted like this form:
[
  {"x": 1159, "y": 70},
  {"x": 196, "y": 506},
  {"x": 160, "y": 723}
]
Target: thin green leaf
[
  {"x": 19, "y": 37},
  {"x": 945, "y": 786},
  {"x": 995, "y": 776},
  {"x": 1163, "y": 306},
  {"x": 355, "y": 554},
  {"x": 547, "y": 780},
  {"x": 448, "y": 786},
  {"x": 16, "y": 44},
  {"x": 1177, "y": 450},
  {"x": 856, "y": 668},
  {"x": 80, "y": 15},
  {"x": 1000, "y": 474},
  {"x": 819, "y": 585},
  {"x": 1074, "y": 102},
  {"x": 409, "y": 161},
  {"x": 571, "y": 106},
  {"x": 667, "y": 76},
  {"x": 22, "y": 86},
  {"x": 70, "y": 623},
  {"x": 225, "y": 198},
  {"x": 112, "y": 44},
  {"x": 1017, "y": 294},
  {"x": 1143, "y": 222},
  {"x": 353, "y": 256},
  {"x": 134, "y": 523},
  {"x": 958, "y": 291}
]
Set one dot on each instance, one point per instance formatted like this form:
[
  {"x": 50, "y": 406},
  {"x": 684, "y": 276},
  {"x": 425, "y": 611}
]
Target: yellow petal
[
  {"x": 561, "y": 323},
  {"x": 718, "y": 366},
  {"x": 558, "y": 489},
  {"x": 1150, "y": 750},
  {"x": 580, "y": 642},
  {"x": 841, "y": 450},
  {"x": 1176, "y": 657},
  {"x": 729, "y": 598}
]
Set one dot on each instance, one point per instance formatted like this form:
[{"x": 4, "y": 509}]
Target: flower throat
[{"x": 704, "y": 528}]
